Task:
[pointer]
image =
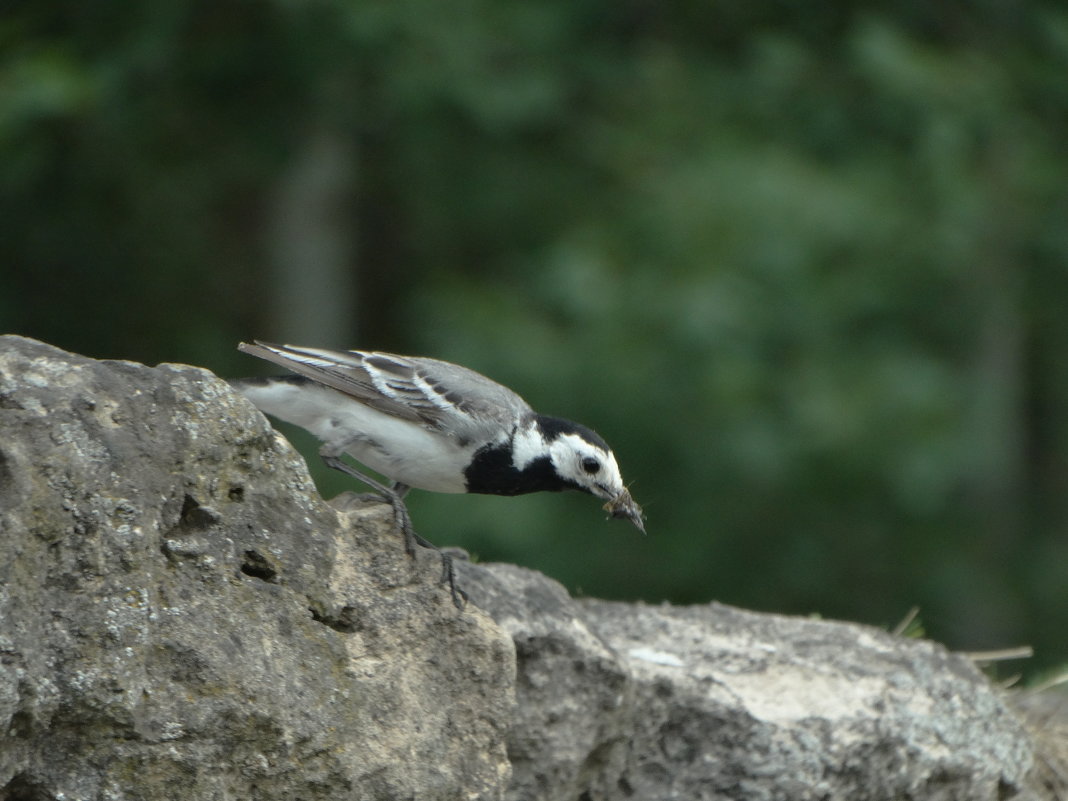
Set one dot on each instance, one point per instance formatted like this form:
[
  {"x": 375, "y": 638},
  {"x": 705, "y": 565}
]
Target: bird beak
[{"x": 624, "y": 506}]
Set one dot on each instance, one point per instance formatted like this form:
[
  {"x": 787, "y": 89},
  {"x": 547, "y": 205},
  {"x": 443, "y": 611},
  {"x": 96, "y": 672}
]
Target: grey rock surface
[
  {"x": 621, "y": 701},
  {"x": 181, "y": 616},
  {"x": 1045, "y": 714}
]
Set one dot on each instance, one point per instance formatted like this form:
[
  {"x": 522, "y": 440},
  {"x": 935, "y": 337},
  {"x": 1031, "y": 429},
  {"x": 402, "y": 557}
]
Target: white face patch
[
  {"x": 587, "y": 465},
  {"x": 527, "y": 446}
]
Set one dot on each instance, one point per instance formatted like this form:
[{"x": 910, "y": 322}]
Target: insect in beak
[{"x": 623, "y": 506}]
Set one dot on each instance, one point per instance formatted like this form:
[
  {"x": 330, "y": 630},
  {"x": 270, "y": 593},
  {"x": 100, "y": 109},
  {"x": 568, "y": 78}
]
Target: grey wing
[
  {"x": 435, "y": 393},
  {"x": 472, "y": 393}
]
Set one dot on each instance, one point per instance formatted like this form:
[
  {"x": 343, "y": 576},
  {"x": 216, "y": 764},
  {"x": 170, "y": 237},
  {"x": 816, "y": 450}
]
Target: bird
[{"x": 432, "y": 425}]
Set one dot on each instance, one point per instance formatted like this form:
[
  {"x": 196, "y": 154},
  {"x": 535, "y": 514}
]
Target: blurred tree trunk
[
  {"x": 1001, "y": 387},
  {"x": 312, "y": 245}
]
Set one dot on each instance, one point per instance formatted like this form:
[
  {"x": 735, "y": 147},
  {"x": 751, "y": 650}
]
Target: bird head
[{"x": 583, "y": 460}]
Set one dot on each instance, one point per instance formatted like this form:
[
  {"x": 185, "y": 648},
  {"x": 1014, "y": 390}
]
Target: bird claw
[
  {"x": 448, "y": 569},
  {"x": 448, "y": 574},
  {"x": 403, "y": 521}
]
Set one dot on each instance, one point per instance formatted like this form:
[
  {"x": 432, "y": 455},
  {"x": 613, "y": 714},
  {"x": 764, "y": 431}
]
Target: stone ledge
[{"x": 184, "y": 617}]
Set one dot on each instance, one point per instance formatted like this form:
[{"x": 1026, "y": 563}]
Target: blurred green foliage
[{"x": 805, "y": 267}]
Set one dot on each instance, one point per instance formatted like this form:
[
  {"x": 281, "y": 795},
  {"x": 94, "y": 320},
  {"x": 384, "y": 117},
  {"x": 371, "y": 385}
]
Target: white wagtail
[{"x": 432, "y": 425}]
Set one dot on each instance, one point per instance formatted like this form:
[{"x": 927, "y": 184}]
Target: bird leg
[{"x": 394, "y": 496}]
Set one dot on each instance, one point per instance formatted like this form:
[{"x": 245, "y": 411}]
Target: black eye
[{"x": 590, "y": 465}]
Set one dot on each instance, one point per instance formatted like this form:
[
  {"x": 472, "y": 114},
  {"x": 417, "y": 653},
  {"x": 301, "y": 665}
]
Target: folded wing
[{"x": 438, "y": 394}]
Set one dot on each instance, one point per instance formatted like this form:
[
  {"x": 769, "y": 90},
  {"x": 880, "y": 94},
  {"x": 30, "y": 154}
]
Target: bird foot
[
  {"x": 448, "y": 571},
  {"x": 403, "y": 520}
]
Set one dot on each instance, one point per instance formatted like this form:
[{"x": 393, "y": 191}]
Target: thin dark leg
[{"x": 394, "y": 496}]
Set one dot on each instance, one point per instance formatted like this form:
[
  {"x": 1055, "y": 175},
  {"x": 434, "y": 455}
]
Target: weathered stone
[
  {"x": 1045, "y": 715},
  {"x": 182, "y": 617},
  {"x": 621, "y": 701}
]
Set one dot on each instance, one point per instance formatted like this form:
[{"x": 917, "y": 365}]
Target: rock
[
  {"x": 181, "y": 615},
  {"x": 1045, "y": 715},
  {"x": 621, "y": 701}
]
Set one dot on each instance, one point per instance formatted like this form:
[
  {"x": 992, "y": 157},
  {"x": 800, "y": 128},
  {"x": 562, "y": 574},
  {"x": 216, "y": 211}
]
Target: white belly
[{"x": 400, "y": 450}]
